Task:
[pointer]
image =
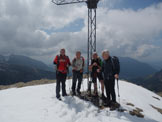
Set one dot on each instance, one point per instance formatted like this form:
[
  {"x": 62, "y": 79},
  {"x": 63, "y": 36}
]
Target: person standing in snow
[
  {"x": 109, "y": 78},
  {"x": 62, "y": 62},
  {"x": 96, "y": 63},
  {"x": 77, "y": 68}
]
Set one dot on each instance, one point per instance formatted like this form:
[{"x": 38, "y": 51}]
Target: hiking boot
[
  {"x": 103, "y": 97},
  {"x": 64, "y": 95},
  {"x": 112, "y": 108},
  {"x": 89, "y": 93},
  {"x": 115, "y": 104},
  {"x": 107, "y": 103},
  {"x": 73, "y": 93},
  {"x": 95, "y": 94},
  {"x": 59, "y": 98},
  {"x": 78, "y": 91}
]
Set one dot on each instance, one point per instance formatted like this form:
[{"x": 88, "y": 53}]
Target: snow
[{"x": 38, "y": 104}]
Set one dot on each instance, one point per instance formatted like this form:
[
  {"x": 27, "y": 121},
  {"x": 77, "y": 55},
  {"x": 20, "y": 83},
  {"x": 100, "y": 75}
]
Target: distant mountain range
[
  {"x": 152, "y": 82},
  {"x": 131, "y": 68},
  {"x": 141, "y": 73},
  {"x": 157, "y": 64},
  {"x": 16, "y": 68},
  {"x": 27, "y": 61}
]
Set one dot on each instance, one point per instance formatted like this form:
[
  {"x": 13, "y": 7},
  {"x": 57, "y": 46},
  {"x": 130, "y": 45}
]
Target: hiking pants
[
  {"x": 110, "y": 89},
  {"x": 77, "y": 76},
  {"x": 61, "y": 78}
]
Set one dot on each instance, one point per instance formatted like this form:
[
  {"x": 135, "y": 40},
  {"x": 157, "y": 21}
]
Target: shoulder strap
[
  {"x": 112, "y": 62},
  {"x": 73, "y": 61},
  {"x": 67, "y": 60}
]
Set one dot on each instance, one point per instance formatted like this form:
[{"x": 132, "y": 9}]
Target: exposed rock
[
  {"x": 137, "y": 113},
  {"x": 156, "y": 97},
  {"x": 130, "y": 104},
  {"x": 158, "y": 109}
]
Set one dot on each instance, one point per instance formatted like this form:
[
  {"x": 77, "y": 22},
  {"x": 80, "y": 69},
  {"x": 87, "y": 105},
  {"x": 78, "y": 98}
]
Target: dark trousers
[
  {"x": 110, "y": 89},
  {"x": 61, "y": 78},
  {"x": 77, "y": 76}
]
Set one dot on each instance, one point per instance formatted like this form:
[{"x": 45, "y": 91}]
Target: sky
[{"x": 39, "y": 29}]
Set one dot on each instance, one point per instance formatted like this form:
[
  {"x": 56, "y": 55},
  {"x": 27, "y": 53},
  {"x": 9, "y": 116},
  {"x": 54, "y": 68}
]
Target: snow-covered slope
[{"x": 38, "y": 104}]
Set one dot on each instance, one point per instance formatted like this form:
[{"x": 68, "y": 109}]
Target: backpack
[{"x": 116, "y": 64}]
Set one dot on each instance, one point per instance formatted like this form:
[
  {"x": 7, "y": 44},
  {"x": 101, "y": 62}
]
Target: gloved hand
[{"x": 116, "y": 76}]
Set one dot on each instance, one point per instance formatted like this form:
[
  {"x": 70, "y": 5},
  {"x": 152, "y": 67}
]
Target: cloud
[
  {"x": 124, "y": 32},
  {"x": 22, "y": 21},
  {"x": 145, "y": 50}
]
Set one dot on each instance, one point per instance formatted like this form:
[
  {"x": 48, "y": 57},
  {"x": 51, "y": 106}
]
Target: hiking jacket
[
  {"x": 107, "y": 69},
  {"x": 99, "y": 64},
  {"x": 78, "y": 63},
  {"x": 62, "y": 62}
]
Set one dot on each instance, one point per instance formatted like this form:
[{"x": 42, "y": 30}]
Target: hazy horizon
[{"x": 39, "y": 29}]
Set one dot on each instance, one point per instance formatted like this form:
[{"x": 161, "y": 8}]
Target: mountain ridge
[{"x": 152, "y": 82}]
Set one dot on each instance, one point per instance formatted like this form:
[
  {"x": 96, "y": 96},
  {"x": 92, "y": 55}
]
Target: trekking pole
[
  {"x": 118, "y": 91},
  {"x": 98, "y": 99},
  {"x": 83, "y": 89},
  {"x": 69, "y": 84},
  {"x": 99, "y": 87},
  {"x": 89, "y": 84},
  {"x": 118, "y": 86},
  {"x": 83, "y": 85},
  {"x": 119, "y": 109},
  {"x": 100, "y": 92}
]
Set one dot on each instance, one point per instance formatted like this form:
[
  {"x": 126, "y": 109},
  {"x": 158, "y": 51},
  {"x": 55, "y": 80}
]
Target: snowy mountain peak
[{"x": 38, "y": 104}]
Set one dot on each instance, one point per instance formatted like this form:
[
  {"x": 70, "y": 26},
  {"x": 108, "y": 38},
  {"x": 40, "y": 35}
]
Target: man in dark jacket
[
  {"x": 109, "y": 78},
  {"x": 62, "y": 61}
]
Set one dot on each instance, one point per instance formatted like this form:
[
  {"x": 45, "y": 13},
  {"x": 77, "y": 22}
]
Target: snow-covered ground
[{"x": 38, "y": 104}]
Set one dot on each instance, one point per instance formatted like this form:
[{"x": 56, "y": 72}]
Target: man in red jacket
[{"x": 62, "y": 61}]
